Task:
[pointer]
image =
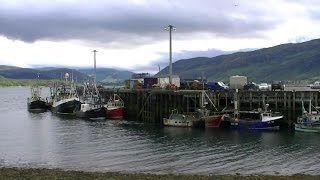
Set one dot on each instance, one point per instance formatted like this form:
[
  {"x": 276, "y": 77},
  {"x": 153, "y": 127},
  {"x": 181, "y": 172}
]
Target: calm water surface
[{"x": 47, "y": 141}]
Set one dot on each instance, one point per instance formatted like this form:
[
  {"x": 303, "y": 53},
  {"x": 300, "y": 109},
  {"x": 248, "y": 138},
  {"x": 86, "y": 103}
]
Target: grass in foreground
[{"x": 48, "y": 174}]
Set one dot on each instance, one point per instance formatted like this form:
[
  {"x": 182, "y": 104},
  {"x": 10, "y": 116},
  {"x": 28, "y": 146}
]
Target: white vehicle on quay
[
  {"x": 315, "y": 85},
  {"x": 263, "y": 86}
]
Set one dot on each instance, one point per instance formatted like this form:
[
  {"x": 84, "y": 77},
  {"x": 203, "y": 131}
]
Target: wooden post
[
  {"x": 250, "y": 95},
  {"x": 294, "y": 105},
  {"x": 276, "y": 101}
]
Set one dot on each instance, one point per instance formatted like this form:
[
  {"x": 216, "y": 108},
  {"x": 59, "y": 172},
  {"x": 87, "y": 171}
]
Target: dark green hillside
[
  {"x": 108, "y": 75},
  {"x": 4, "y": 67},
  {"x": 23, "y": 82},
  {"x": 104, "y": 75},
  {"x": 59, "y": 74},
  {"x": 19, "y": 73},
  {"x": 13, "y": 72},
  {"x": 299, "y": 61}
]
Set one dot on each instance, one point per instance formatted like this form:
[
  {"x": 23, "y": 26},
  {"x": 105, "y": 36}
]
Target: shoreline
[{"x": 42, "y": 173}]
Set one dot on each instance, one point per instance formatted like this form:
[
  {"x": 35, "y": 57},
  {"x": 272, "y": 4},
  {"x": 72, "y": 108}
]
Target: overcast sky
[{"x": 129, "y": 34}]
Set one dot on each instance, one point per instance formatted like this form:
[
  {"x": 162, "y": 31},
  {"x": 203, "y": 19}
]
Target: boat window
[{"x": 175, "y": 122}]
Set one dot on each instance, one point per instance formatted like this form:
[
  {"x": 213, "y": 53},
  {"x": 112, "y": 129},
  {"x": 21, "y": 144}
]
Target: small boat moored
[
  {"x": 256, "y": 119},
  {"x": 36, "y": 103},
  {"x": 115, "y": 107},
  {"x": 183, "y": 120},
  {"x": 308, "y": 121},
  {"x": 65, "y": 100},
  {"x": 92, "y": 106},
  {"x": 179, "y": 120}
]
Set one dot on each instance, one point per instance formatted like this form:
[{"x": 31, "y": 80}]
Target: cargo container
[
  {"x": 140, "y": 75},
  {"x": 133, "y": 84},
  {"x": 238, "y": 82},
  {"x": 164, "y": 81},
  {"x": 150, "y": 83}
]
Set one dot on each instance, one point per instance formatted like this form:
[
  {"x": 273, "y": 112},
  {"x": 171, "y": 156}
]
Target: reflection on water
[{"x": 49, "y": 141}]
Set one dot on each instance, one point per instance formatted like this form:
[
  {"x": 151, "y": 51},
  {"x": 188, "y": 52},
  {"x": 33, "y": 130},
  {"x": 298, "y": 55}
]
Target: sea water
[{"x": 47, "y": 141}]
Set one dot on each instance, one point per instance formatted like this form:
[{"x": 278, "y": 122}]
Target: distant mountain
[
  {"x": 108, "y": 75},
  {"x": 105, "y": 75},
  {"x": 300, "y": 61},
  {"x": 46, "y": 68},
  {"x": 13, "y": 72}
]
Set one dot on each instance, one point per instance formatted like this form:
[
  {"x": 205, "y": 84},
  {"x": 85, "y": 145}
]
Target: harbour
[
  {"x": 154, "y": 105},
  {"x": 44, "y": 140},
  {"x": 181, "y": 90}
]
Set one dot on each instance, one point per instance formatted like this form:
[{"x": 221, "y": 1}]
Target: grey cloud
[{"x": 131, "y": 25}]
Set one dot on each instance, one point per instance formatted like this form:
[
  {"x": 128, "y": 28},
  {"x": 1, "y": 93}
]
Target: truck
[
  {"x": 315, "y": 85},
  {"x": 216, "y": 86},
  {"x": 277, "y": 85}
]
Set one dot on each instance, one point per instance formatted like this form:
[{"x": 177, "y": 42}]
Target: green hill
[
  {"x": 13, "y": 72},
  {"x": 104, "y": 75},
  {"x": 108, "y": 75},
  {"x": 300, "y": 61}
]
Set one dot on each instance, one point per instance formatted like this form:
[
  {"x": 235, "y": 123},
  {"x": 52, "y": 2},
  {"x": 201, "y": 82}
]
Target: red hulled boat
[{"x": 115, "y": 108}]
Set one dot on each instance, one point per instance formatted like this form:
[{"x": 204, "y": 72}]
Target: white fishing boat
[
  {"x": 308, "y": 121},
  {"x": 65, "y": 99},
  {"x": 179, "y": 120}
]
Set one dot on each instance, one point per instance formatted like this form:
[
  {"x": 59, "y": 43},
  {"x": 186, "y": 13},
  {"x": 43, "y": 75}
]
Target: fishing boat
[
  {"x": 36, "y": 103},
  {"x": 308, "y": 121},
  {"x": 92, "y": 106},
  {"x": 212, "y": 120},
  {"x": 215, "y": 121},
  {"x": 115, "y": 108},
  {"x": 180, "y": 120},
  {"x": 65, "y": 100},
  {"x": 257, "y": 119}
]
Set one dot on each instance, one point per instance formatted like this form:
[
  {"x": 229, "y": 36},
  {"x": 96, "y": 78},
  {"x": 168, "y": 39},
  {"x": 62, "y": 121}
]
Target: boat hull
[
  {"x": 115, "y": 113},
  {"x": 305, "y": 128},
  {"x": 92, "y": 113},
  {"x": 258, "y": 125},
  {"x": 213, "y": 121},
  {"x": 177, "y": 123},
  {"x": 68, "y": 107},
  {"x": 37, "y": 106}
]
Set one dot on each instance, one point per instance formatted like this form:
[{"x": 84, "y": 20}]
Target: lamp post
[
  {"x": 94, "y": 72},
  {"x": 170, "y": 28}
]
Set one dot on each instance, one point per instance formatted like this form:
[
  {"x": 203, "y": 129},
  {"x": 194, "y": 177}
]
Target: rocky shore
[{"x": 48, "y": 174}]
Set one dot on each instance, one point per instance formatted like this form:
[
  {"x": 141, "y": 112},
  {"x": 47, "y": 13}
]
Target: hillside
[
  {"x": 12, "y": 72},
  {"x": 300, "y": 61},
  {"x": 104, "y": 75},
  {"x": 107, "y": 75}
]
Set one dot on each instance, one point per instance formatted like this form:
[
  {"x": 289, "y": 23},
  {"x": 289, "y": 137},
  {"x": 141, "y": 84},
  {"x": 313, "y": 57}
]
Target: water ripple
[{"x": 46, "y": 140}]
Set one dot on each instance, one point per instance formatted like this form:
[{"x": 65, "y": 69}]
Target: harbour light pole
[
  {"x": 170, "y": 28},
  {"x": 94, "y": 72}
]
